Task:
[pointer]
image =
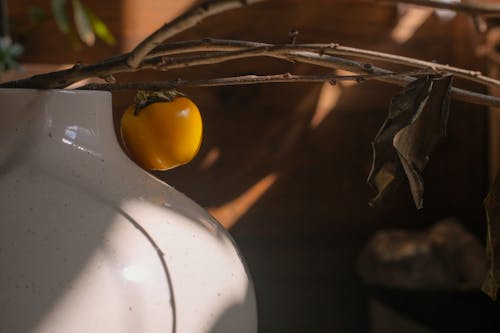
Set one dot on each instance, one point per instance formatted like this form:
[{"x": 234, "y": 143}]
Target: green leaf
[
  {"x": 100, "y": 28},
  {"x": 492, "y": 205},
  {"x": 60, "y": 15},
  {"x": 36, "y": 15},
  {"x": 74, "y": 40},
  {"x": 9, "y": 52},
  {"x": 82, "y": 23},
  {"x": 16, "y": 50}
]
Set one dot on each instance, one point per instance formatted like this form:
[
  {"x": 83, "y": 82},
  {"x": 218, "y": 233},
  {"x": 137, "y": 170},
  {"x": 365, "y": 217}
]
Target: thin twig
[
  {"x": 319, "y": 54},
  {"x": 335, "y": 49},
  {"x": 256, "y": 49},
  {"x": 132, "y": 61},
  {"x": 232, "y": 50},
  {"x": 63, "y": 78},
  {"x": 471, "y": 8},
  {"x": 181, "y": 23},
  {"x": 356, "y": 67},
  {"x": 325, "y": 61},
  {"x": 244, "y": 80}
]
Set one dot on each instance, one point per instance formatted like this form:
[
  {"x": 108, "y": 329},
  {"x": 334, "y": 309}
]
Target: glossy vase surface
[{"x": 90, "y": 242}]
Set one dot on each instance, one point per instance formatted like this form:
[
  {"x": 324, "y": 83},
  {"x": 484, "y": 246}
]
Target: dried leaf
[
  {"x": 492, "y": 206},
  {"x": 415, "y": 142},
  {"x": 404, "y": 109},
  {"x": 416, "y": 122}
]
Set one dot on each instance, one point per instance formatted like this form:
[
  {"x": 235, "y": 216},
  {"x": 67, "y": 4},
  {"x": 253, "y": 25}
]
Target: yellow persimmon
[{"x": 162, "y": 135}]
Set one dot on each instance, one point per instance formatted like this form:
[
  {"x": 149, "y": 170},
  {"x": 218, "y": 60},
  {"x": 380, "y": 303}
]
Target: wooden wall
[{"x": 303, "y": 234}]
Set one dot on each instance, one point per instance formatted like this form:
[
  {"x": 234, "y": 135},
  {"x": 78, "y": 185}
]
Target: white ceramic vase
[{"x": 89, "y": 242}]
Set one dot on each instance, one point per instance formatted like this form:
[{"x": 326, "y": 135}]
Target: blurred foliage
[
  {"x": 9, "y": 53},
  {"x": 73, "y": 18},
  {"x": 86, "y": 25}
]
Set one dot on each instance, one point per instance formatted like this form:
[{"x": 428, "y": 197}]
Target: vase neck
[{"x": 55, "y": 122}]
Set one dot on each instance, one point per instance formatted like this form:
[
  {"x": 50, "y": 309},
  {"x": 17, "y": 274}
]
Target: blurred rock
[{"x": 444, "y": 257}]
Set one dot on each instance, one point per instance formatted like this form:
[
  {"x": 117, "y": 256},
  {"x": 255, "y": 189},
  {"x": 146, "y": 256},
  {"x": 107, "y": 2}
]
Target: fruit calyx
[{"x": 145, "y": 98}]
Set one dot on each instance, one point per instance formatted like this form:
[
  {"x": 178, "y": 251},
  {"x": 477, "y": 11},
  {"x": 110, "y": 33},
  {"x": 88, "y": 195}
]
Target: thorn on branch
[
  {"x": 164, "y": 62},
  {"x": 77, "y": 65},
  {"x": 368, "y": 68},
  {"x": 108, "y": 78},
  {"x": 293, "y": 36},
  {"x": 433, "y": 68}
]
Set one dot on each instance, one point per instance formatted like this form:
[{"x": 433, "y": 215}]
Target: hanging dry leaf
[
  {"x": 492, "y": 206},
  {"x": 415, "y": 142},
  {"x": 417, "y": 121},
  {"x": 386, "y": 168}
]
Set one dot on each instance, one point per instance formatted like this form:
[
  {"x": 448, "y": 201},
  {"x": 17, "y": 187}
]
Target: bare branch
[
  {"x": 311, "y": 58},
  {"x": 63, "y": 78},
  {"x": 181, "y": 23},
  {"x": 258, "y": 49},
  {"x": 231, "y": 50},
  {"x": 335, "y": 49},
  {"x": 216, "y": 51},
  {"x": 356, "y": 67},
  {"x": 471, "y": 8},
  {"x": 244, "y": 80}
]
